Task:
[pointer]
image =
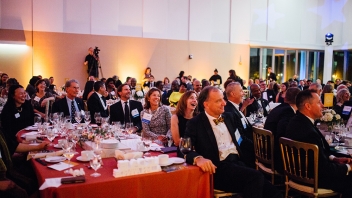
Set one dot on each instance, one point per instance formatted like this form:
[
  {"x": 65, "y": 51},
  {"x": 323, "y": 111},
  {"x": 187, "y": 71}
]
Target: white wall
[{"x": 289, "y": 23}]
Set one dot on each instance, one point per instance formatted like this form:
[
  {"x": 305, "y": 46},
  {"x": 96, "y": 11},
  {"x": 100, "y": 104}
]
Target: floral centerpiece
[
  {"x": 330, "y": 117},
  {"x": 95, "y": 136},
  {"x": 138, "y": 95}
]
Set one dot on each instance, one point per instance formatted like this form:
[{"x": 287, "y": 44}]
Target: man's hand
[
  {"x": 247, "y": 102},
  {"x": 206, "y": 165},
  {"x": 342, "y": 160}
]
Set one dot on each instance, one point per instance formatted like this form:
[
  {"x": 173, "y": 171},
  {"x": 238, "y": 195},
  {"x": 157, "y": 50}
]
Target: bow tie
[{"x": 218, "y": 120}]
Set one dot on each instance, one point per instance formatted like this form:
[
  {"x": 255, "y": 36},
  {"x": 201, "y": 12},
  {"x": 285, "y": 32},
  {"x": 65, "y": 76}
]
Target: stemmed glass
[
  {"x": 338, "y": 135},
  {"x": 74, "y": 138},
  {"x": 78, "y": 117},
  {"x": 87, "y": 117},
  {"x": 129, "y": 127},
  {"x": 68, "y": 153},
  {"x": 146, "y": 142},
  {"x": 50, "y": 134},
  {"x": 95, "y": 163},
  {"x": 97, "y": 116},
  {"x": 185, "y": 145}
]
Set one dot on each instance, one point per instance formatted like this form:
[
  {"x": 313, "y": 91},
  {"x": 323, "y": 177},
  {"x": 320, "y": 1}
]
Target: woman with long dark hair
[
  {"x": 280, "y": 97},
  {"x": 234, "y": 77},
  {"x": 185, "y": 110},
  {"x": 40, "y": 98}
]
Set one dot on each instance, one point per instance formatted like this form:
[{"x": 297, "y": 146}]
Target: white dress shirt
[
  {"x": 223, "y": 138},
  {"x": 101, "y": 100}
]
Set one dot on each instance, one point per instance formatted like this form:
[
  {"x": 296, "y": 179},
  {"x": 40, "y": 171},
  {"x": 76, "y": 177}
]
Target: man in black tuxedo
[
  {"x": 234, "y": 95},
  {"x": 69, "y": 104},
  {"x": 258, "y": 102},
  {"x": 118, "y": 110},
  {"x": 333, "y": 172},
  {"x": 150, "y": 83},
  {"x": 277, "y": 121},
  {"x": 215, "y": 139},
  {"x": 97, "y": 101}
]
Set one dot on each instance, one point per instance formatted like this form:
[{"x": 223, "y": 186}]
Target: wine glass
[
  {"x": 78, "y": 117},
  {"x": 98, "y": 121},
  {"x": 338, "y": 135},
  {"x": 185, "y": 145},
  {"x": 66, "y": 147},
  {"x": 95, "y": 163},
  {"x": 96, "y": 114},
  {"x": 129, "y": 127},
  {"x": 50, "y": 134},
  {"x": 146, "y": 142},
  {"x": 87, "y": 118},
  {"x": 73, "y": 137}
]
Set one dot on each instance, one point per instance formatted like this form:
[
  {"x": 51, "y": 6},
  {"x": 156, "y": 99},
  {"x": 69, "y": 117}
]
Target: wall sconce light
[
  {"x": 329, "y": 38},
  {"x": 190, "y": 56}
]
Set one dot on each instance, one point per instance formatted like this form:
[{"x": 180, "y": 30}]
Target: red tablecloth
[{"x": 188, "y": 182}]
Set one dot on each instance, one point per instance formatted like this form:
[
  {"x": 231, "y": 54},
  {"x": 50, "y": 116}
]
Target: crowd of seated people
[{"x": 197, "y": 104}]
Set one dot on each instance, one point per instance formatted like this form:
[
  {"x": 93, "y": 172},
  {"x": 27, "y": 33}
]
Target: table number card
[{"x": 328, "y": 99}]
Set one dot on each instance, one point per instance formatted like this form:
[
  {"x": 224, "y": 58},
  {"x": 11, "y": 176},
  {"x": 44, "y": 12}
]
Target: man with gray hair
[
  {"x": 215, "y": 138},
  {"x": 316, "y": 88},
  {"x": 69, "y": 104}
]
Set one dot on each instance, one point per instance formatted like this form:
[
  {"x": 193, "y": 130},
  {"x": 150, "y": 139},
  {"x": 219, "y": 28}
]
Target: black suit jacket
[
  {"x": 61, "y": 106},
  {"x": 94, "y": 105},
  {"x": 246, "y": 146},
  {"x": 117, "y": 114},
  {"x": 255, "y": 106},
  {"x": 302, "y": 129},
  {"x": 276, "y": 122},
  {"x": 203, "y": 138}
]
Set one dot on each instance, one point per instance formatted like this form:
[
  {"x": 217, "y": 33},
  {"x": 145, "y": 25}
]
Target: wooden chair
[
  {"x": 263, "y": 141},
  {"x": 301, "y": 168}
]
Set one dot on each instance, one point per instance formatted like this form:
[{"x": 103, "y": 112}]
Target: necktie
[
  {"x": 127, "y": 113},
  {"x": 218, "y": 120},
  {"x": 73, "y": 111}
]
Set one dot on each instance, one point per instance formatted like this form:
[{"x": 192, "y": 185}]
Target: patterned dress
[{"x": 159, "y": 124}]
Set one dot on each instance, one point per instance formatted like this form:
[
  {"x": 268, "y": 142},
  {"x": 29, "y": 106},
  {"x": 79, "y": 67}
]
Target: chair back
[
  {"x": 300, "y": 163},
  {"x": 48, "y": 106},
  {"x": 263, "y": 141}
]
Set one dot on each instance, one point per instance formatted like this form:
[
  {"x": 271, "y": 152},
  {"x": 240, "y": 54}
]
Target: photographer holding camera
[{"x": 92, "y": 61}]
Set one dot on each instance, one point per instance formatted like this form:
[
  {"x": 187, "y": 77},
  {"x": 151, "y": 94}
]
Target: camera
[{"x": 96, "y": 51}]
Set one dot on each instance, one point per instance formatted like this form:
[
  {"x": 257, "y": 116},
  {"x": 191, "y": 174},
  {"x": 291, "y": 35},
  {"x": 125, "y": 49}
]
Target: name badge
[
  {"x": 244, "y": 123},
  {"x": 134, "y": 113},
  {"x": 267, "y": 108},
  {"x": 238, "y": 137},
  {"x": 146, "y": 118},
  {"x": 270, "y": 96},
  {"x": 36, "y": 99},
  {"x": 17, "y": 115},
  {"x": 346, "y": 110}
]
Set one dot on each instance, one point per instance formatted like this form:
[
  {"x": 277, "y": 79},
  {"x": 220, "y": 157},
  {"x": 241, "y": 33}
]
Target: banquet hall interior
[{"x": 298, "y": 40}]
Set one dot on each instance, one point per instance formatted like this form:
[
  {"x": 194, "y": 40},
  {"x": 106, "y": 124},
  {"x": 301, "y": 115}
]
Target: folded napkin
[
  {"x": 61, "y": 166},
  {"x": 51, "y": 182},
  {"x": 44, "y": 155}
]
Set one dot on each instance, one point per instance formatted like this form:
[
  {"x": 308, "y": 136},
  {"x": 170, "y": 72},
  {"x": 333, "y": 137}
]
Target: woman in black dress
[{"x": 185, "y": 110}]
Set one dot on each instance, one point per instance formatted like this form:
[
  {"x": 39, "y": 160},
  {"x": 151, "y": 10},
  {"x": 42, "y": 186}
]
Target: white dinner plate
[
  {"x": 79, "y": 158},
  {"x": 177, "y": 160},
  {"x": 168, "y": 163},
  {"x": 55, "y": 159}
]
